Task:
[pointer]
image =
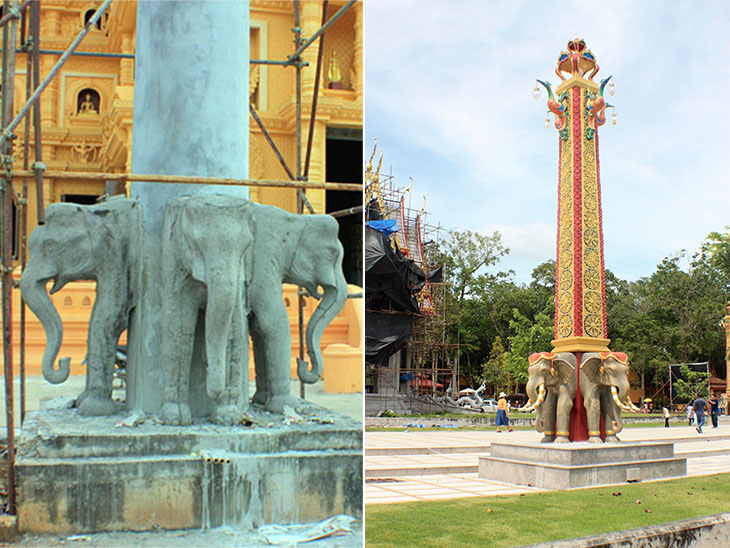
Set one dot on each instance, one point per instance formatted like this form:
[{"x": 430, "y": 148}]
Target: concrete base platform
[
  {"x": 566, "y": 466},
  {"x": 79, "y": 474}
]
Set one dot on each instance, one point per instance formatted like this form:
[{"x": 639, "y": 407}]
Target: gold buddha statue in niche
[
  {"x": 87, "y": 107},
  {"x": 334, "y": 74}
]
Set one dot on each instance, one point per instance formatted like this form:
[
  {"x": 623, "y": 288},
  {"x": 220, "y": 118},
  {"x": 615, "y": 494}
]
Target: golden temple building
[{"x": 87, "y": 124}]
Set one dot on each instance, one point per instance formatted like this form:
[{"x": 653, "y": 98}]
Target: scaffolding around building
[{"x": 418, "y": 376}]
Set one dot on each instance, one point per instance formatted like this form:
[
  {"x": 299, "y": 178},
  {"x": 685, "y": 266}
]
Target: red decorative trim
[
  {"x": 577, "y": 120},
  {"x": 537, "y": 356},
  {"x": 557, "y": 243},
  {"x": 578, "y": 417},
  {"x": 600, "y": 232}
]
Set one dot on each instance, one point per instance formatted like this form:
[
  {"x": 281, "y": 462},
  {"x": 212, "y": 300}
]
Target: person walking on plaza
[
  {"x": 699, "y": 406},
  {"x": 714, "y": 410},
  {"x": 666, "y": 415},
  {"x": 502, "y": 407},
  {"x": 690, "y": 413}
]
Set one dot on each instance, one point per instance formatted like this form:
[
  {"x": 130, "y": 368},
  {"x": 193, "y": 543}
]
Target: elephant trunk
[
  {"x": 618, "y": 424},
  {"x": 34, "y": 294},
  {"x": 221, "y": 302},
  {"x": 332, "y": 302}
]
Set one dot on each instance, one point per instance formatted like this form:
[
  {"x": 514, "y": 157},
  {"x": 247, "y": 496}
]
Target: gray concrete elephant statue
[
  {"x": 551, "y": 388},
  {"x": 296, "y": 249},
  {"x": 605, "y": 388},
  {"x": 204, "y": 241},
  {"x": 100, "y": 243}
]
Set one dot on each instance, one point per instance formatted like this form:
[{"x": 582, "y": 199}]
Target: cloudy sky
[{"x": 448, "y": 96}]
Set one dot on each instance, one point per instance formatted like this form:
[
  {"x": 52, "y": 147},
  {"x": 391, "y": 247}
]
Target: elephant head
[
  {"x": 547, "y": 371},
  {"x": 610, "y": 369},
  {"x": 81, "y": 243},
  {"x": 317, "y": 262}
]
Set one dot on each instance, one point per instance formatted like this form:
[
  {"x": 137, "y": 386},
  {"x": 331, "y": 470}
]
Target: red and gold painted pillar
[
  {"x": 580, "y": 290},
  {"x": 726, "y": 324}
]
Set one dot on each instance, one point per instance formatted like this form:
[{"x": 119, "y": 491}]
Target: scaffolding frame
[
  {"x": 26, "y": 19},
  {"x": 432, "y": 361}
]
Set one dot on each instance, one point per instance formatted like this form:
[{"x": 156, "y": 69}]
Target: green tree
[
  {"x": 468, "y": 257},
  {"x": 494, "y": 372},
  {"x": 528, "y": 337},
  {"x": 691, "y": 384}
]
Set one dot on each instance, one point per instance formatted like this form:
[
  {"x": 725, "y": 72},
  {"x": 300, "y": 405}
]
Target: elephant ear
[
  {"x": 592, "y": 368},
  {"x": 563, "y": 369}
]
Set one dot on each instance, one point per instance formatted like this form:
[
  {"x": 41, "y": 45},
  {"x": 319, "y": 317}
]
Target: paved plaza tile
[{"x": 414, "y": 453}]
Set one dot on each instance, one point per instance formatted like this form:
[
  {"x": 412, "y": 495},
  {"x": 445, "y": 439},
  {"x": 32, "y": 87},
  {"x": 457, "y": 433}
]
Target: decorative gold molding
[{"x": 580, "y": 344}]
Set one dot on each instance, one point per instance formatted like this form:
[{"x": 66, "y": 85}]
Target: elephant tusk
[
  {"x": 622, "y": 405},
  {"x": 540, "y": 398}
]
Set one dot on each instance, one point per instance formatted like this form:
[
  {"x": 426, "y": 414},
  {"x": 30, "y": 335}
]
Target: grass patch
[{"x": 514, "y": 520}]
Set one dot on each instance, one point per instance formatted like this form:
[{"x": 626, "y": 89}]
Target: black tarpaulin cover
[
  {"x": 391, "y": 279},
  {"x": 385, "y": 334}
]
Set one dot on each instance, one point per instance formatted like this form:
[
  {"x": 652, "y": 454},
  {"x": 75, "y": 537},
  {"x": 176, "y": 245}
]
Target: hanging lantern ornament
[
  {"x": 547, "y": 120},
  {"x": 611, "y": 88},
  {"x": 614, "y": 117},
  {"x": 536, "y": 93}
]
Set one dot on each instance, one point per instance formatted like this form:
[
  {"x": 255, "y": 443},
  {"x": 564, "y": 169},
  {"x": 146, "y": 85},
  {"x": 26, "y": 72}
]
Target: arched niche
[
  {"x": 88, "y": 14},
  {"x": 88, "y": 102}
]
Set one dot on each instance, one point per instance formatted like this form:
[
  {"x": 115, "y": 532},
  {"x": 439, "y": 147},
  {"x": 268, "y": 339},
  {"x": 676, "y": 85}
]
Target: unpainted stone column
[{"x": 190, "y": 118}]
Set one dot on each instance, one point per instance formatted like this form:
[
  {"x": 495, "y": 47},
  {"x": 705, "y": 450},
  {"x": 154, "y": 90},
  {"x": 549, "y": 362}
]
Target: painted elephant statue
[
  {"x": 100, "y": 243},
  {"x": 605, "y": 388},
  {"x": 551, "y": 388},
  {"x": 204, "y": 241},
  {"x": 296, "y": 249}
]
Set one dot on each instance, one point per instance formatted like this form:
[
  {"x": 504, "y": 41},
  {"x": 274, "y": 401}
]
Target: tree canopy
[{"x": 671, "y": 316}]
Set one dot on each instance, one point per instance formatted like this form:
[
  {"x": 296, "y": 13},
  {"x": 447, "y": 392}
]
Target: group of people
[{"x": 697, "y": 409}]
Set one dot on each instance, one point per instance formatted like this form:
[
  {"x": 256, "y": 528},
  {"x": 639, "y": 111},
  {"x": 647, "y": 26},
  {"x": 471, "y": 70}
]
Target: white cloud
[{"x": 448, "y": 96}]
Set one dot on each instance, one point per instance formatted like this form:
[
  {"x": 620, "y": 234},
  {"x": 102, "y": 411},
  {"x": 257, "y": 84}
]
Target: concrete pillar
[{"x": 190, "y": 118}]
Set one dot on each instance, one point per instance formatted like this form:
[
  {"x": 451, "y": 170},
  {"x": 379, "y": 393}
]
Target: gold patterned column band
[{"x": 566, "y": 434}]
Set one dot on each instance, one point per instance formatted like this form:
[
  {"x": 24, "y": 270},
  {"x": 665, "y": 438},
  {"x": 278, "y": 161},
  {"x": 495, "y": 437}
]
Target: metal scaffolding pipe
[
  {"x": 293, "y": 57},
  {"x": 14, "y": 13},
  {"x": 300, "y": 202},
  {"x": 269, "y": 140},
  {"x": 8, "y": 90},
  {"x": 7, "y": 131},
  {"x": 24, "y": 202},
  {"x": 317, "y": 74},
  {"x": 82, "y": 176},
  {"x": 86, "y": 53},
  {"x": 346, "y": 212},
  {"x": 38, "y": 167}
]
